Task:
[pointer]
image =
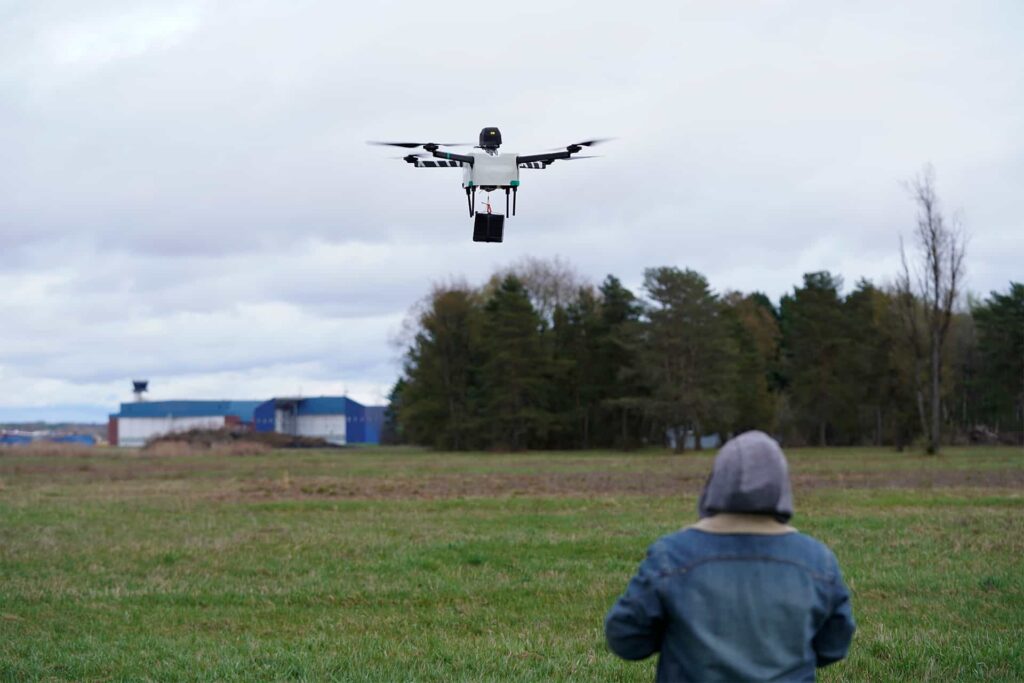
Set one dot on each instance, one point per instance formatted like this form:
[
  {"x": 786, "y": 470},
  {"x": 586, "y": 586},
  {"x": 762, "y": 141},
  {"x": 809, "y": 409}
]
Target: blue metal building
[
  {"x": 77, "y": 439},
  {"x": 337, "y": 419}
]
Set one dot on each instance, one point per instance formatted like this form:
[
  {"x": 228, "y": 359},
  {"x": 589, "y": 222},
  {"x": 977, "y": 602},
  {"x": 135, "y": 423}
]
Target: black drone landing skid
[{"x": 471, "y": 200}]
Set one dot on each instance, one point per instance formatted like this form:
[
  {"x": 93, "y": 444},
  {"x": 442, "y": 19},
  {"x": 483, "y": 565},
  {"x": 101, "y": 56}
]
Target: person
[{"x": 740, "y": 595}]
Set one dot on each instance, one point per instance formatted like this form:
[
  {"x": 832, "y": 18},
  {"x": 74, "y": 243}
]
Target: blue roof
[
  {"x": 85, "y": 439},
  {"x": 243, "y": 409},
  {"x": 315, "y": 405},
  {"x": 322, "y": 405}
]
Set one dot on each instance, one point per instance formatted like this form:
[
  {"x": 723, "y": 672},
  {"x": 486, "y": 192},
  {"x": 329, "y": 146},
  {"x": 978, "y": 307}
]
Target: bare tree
[
  {"x": 550, "y": 283},
  {"x": 927, "y": 291}
]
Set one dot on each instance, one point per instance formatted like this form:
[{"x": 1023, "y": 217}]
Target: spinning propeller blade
[
  {"x": 574, "y": 158},
  {"x": 413, "y": 145},
  {"x": 585, "y": 143}
]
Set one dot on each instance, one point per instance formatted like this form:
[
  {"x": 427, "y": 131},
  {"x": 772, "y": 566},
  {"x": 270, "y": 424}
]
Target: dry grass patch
[
  {"x": 47, "y": 449},
  {"x": 171, "y": 448}
]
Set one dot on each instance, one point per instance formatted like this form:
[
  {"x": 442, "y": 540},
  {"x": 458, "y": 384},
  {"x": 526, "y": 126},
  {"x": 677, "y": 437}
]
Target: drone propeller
[
  {"x": 586, "y": 143},
  {"x": 413, "y": 145},
  {"x": 573, "y": 158}
]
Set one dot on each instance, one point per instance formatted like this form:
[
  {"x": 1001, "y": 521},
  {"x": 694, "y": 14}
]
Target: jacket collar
[{"x": 741, "y": 523}]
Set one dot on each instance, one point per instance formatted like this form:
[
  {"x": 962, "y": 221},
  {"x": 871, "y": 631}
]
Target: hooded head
[{"x": 751, "y": 476}]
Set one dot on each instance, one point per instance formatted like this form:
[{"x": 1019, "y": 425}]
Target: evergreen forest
[{"x": 538, "y": 358}]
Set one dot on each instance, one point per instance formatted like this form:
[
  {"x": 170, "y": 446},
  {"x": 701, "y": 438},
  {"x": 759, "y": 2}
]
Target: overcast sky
[{"x": 186, "y": 194}]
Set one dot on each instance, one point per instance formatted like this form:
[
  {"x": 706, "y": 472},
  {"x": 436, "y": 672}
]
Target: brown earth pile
[{"x": 228, "y": 442}]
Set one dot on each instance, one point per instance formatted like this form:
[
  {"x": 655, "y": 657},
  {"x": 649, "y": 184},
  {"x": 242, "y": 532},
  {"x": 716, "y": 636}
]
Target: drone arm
[
  {"x": 449, "y": 156},
  {"x": 430, "y": 163},
  {"x": 545, "y": 158}
]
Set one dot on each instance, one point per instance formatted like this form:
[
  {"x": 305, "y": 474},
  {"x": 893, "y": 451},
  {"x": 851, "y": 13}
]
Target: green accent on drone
[{"x": 515, "y": 183}]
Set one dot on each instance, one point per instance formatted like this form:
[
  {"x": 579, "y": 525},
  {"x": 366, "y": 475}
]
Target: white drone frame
[{"x": 486, "y": 168}]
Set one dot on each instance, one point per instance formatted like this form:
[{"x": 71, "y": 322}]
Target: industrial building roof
[
  {"x": 314, "y": 405},
  {"x": 246, "y": 411},
  {"x": 323, "y": 405},
  {"x": 243, "y": 409}
]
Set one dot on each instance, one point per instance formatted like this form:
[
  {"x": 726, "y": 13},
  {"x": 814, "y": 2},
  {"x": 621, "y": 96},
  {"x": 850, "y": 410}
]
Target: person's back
[{"x": 739, "y": 595}]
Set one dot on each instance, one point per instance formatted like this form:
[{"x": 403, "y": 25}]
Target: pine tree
[
  {"x": 441, "y": 372},
  {"x": 689, "y": 354},
  {"x": 578, "y": 389},
  {"x": 755, "y": 330},
  {"x": 515, "y": 370},
  {"x": 621, "y": 393},
  {"x": 965, "y": 385},
  {"x": 391, "y": 430},
  {"x": 1000, "y": 321},
  {"x": 814, "y": 338},
  {"x": 870, "y": 371}
]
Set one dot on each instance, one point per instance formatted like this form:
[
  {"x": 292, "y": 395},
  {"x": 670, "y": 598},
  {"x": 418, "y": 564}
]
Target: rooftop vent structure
[{"x": 139, "y": 387}]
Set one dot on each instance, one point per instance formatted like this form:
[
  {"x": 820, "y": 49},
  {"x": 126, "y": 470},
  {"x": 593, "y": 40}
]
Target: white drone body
[
  {"x": 498, "y": 170},
  {"x": 487, "y": 169}
]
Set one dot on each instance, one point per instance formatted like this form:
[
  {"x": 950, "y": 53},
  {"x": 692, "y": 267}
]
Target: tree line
[
  {"x": 538, "y": 358},
  {"x": 534, "y": 359}
]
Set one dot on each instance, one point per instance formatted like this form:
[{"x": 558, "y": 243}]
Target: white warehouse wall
[
  {"x": 328, "y": 427},
  {"x": 135, "y": 431}
]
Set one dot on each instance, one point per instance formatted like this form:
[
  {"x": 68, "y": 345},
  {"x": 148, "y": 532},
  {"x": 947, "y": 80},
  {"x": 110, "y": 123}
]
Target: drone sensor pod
[{"x": 490, "y": 138}]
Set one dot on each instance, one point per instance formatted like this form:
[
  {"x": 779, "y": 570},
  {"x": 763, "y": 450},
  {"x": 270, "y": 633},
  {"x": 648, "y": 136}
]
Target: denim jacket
[{"x": 720, "y": 606}]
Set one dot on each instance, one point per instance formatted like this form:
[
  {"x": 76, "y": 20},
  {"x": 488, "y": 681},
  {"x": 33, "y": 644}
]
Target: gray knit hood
[{"x": 750, "y": 475}]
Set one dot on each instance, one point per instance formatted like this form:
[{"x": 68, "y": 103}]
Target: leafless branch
[{"x": 930, "y": 291}]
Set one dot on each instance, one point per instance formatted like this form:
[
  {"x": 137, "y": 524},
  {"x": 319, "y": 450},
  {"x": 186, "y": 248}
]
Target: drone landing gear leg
[
  {"x": 469, "y": 200},
  {"x": 506, "y": 203},
  {"x": 514, "y": 190}
]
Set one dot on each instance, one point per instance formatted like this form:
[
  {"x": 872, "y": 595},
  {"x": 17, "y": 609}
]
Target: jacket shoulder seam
[{"x": 685, "y": 568}]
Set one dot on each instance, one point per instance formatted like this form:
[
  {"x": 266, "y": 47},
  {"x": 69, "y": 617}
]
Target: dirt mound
[{"x": 228, "y": 442}]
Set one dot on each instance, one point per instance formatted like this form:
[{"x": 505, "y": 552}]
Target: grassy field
[{"x": 383, "y": 565}]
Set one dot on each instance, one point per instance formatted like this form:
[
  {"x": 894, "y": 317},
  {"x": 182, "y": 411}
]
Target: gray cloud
[{"x": 186, "y": 192}]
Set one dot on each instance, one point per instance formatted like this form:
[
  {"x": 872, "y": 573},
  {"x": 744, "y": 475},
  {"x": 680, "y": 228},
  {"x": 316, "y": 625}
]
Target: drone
[{"x": 488, "y": 170}]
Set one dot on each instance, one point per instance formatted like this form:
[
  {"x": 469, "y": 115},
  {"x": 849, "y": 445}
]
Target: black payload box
[{"x": 488, "y": 227}]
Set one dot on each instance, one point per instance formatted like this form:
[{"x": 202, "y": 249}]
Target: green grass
[{"x": 116, "y": 566}]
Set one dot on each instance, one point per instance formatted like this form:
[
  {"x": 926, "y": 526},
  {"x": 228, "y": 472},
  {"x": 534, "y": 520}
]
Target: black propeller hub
[{"x": 490, "y": 138}]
